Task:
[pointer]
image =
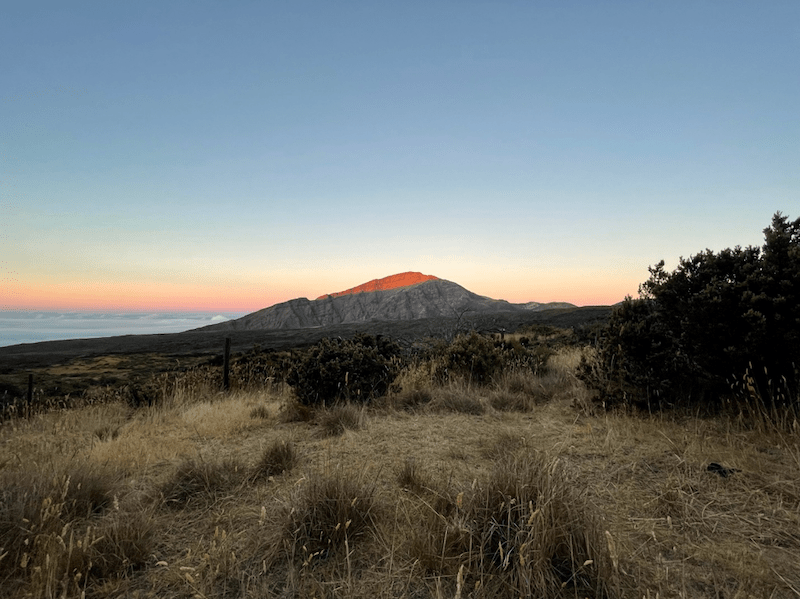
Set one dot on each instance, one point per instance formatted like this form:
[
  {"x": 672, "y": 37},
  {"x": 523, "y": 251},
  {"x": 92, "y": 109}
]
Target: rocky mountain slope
[
  {"x": 406, "y": 296},
  {"x": 404, "y": 279}
]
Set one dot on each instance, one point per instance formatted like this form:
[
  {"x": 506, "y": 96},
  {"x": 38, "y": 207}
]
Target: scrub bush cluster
[{"x": 718, "y": 318}]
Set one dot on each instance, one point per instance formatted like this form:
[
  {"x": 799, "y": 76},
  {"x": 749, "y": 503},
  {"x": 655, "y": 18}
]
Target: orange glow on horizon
[
  {"x": 179, "y": 297},
  {"x": 101, "y": 296}
]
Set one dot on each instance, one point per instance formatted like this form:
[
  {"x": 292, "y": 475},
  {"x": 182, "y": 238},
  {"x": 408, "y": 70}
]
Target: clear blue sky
[{"x": 231, "y": 155}]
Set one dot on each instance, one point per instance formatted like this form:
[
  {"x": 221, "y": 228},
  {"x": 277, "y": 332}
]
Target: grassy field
[{"x": 518, "y": 489}]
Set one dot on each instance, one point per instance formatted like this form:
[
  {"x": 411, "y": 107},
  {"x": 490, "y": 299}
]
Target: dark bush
[
  {"x": 478, "y": 359},
  {"x": 359, "y": 370},
  {"x": 474, "y": 358},
  {"x": 714, "y": 318}
]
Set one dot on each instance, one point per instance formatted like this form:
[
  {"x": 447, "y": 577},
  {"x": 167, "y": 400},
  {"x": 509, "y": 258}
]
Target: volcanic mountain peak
[{"x": 404, "y": 279}]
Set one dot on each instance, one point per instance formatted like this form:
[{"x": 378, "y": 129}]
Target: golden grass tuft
[
  {"x": 525, "y": 531},
  {"x": 336, "y": 419},
  {"x": 456, "y": 397},
  {"x": 278, "y": 458},
  {"x": 196, "y": 481},
  {"x": 329, "y": 517}
]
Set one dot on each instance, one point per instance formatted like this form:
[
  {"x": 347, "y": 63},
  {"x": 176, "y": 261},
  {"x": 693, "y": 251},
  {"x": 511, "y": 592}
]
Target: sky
[{"x": 227, "y": 156}]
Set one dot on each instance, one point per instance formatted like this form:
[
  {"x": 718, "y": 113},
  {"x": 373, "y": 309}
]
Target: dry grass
[
  {"x": 437, "y": 501},
  {"x": 336, "y": 419},
  {"x": 278, "y": 458},
  {"x": 525, "y": 531}
]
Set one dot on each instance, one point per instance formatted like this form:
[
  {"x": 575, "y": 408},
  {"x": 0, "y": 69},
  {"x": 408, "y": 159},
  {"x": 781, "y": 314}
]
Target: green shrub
[
  {"x": 358, "y": 370},
  {"x": 716, "y": 317},
  {"x": 473, "y": 358}
]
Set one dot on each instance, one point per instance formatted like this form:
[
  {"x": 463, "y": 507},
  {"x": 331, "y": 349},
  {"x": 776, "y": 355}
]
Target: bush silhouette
[
  {"x": 714, "y": 319},
  {"x": 359, "y": 369}
]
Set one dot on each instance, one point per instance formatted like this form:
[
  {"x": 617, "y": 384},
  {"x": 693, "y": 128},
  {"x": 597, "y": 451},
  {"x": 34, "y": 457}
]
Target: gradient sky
[{"x": 232, "y": 155}]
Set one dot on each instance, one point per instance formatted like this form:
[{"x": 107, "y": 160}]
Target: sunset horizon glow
[
  {"x": 155, "y": 298},
  {"x": 229, "y": 157}
]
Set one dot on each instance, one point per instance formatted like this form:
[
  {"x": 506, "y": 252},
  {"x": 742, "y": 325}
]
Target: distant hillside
[
  {"x": 537, "y": 307},
  {"x": 430, "y": 298}
]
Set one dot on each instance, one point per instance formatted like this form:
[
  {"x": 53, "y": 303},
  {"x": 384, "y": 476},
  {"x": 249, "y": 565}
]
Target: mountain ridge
[{"x": 425, "y": 297}]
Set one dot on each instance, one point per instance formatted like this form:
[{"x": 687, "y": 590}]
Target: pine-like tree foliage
[{"x": 714, "y": 318}]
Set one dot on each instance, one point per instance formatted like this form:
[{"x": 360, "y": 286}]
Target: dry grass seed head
[{"x": 55, "y": 531}]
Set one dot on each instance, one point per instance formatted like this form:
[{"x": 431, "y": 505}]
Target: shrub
[
  {"x": 711, "y": 320},
  {"x": 334, "y": 370},
  {"x": 473, "y": 358}
]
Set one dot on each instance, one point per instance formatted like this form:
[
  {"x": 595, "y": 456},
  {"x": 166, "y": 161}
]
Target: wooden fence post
[
  {"x": 29, "y": 402},
  {"x": 226, "y": 365}
]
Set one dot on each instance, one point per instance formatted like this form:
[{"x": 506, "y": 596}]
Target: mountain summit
[{"x": 404, "y": 279}]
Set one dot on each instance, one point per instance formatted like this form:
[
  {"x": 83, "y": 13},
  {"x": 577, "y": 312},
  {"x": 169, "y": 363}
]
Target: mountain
[{"x": 405, "y": 296}]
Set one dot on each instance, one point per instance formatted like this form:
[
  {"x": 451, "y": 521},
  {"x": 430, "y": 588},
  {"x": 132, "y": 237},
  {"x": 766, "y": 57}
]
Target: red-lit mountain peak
[{"x": 403, "y": 279}]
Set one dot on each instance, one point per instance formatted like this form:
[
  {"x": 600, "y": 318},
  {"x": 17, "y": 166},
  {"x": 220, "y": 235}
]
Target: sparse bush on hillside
[
  {"x": 358, "y": 370},
  {"x": 481, "y": 360},
  {"x": 713, "y": 319}
]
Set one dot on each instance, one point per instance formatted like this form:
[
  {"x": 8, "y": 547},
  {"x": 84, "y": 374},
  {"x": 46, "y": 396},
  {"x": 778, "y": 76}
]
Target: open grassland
[{"x": 516, "y": 489}]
